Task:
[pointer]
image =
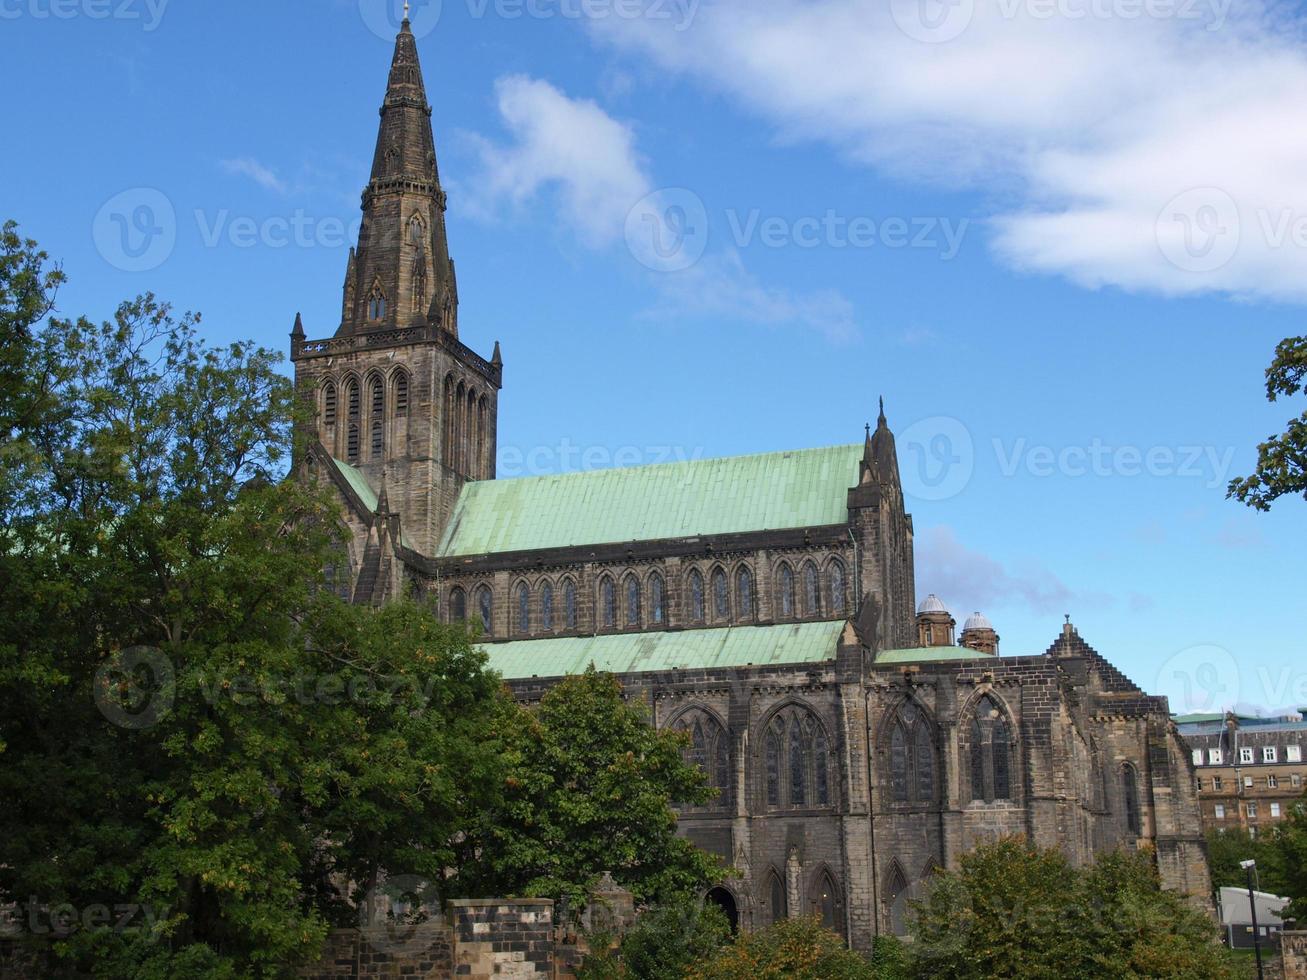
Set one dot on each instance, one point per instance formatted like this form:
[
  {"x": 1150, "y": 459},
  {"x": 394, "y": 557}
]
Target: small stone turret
[
  {"x": 934, "y": 623},
  {"x": 978, "y": 634}
]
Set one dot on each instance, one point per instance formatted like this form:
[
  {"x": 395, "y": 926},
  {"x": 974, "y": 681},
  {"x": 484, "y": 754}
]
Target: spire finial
[
  {"x": 867, "y": 426},
  {"x": 406, "y": 7},
  {"x": 881, "y": 420}
]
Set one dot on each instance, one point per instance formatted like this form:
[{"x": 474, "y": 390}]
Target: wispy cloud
[
  {"x": 1120, "y": 145},
  {"x": 969, "y": 580},
  {"x": 265, "y": 177}
]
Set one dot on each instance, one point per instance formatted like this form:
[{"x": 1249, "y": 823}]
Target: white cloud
[
  {"x": 265, "y": 177},
  {"x": 1156, "y": 145},
  {"x": 571, "y": 146},
  {"x": 720, "y": 286}
]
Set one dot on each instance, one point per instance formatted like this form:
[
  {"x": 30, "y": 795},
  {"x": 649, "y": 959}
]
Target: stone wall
[{"x": 1293, "y": 955}]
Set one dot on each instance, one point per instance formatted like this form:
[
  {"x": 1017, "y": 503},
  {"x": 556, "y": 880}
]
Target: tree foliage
[
  {"x": 1012, "y": 910},
  {"x": 793, "y": 948},
  {"x": 590, "y": 788},
  {"x": 1282, "y": 458},
  {"x": 662, "y": 944}
]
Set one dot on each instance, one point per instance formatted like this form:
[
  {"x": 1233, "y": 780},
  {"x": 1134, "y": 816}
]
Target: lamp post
[{"x": 1249, "y": 868}]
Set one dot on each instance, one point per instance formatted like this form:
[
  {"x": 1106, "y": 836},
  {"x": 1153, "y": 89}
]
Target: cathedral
[{"x": 763, "y": 604}]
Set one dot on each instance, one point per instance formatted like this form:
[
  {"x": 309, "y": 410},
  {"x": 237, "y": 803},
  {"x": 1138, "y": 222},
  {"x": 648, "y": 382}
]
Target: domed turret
[
  {"x": 934, "y": 623},
  {"x": 978, "y": 634}
]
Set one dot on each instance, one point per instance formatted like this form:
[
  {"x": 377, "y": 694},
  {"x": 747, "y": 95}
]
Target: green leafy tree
[
  {"x": 590, "y": 788},
  {"x": 794, "y": 948},
  {"x": 1226, "y": 848},
  {"x": 1012, "y": 910},
  {"x": 1281, "y": 459},
  {"x": 666, "y": 940},
  {"x": 1290, "y": 844},
  {"x": 194, "y": 730}
]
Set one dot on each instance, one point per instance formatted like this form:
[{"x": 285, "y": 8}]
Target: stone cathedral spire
[{"x": 401, "y": 274}]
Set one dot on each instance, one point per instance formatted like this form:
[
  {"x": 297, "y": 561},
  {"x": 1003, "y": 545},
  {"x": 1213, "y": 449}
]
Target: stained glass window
[{"x": 787, "y": 591}]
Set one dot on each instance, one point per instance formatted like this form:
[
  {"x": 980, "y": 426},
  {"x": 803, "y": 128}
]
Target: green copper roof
[
  {"x": 359, "y": 483},
  {"x": 803, "y": 488},
  {"x": 912, "y": 655},
  {"x": 733, "y": 646}
]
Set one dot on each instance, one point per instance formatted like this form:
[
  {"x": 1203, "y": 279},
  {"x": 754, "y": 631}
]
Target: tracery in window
[
  {"x": 607, "y": 602},
  {"x": 657, "y": 599},
  {"x": 696, "y": 597},
  {"x": 376, "y": 303},
  {"x": 547, "y": 606},
  {"x": 837, "y": 588},
  {"x": 485, "y": 607},
  {"x": 720, "y": 597},
  {"x": 632, "y": 601},
  {"x": 911, "y": 757},
  {"x": 797, "y": 760},
  {"x": 569, "y": 604},
  {"x": 787, "y": 591},
  {"x": 710, "y": 750},
  {"x": 811, "y": 590},
  {"x": 991, "y": 752},
  {"x": 744, "y": 592}
]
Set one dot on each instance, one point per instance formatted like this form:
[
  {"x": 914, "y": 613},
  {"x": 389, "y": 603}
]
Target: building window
[
  {"x": 1275, "y": 809},
  {"x": 377, "y": 304},
  {"x": 710, "y": 750},
  {"x": 378, "y": 439},
  {"x": 912, "y": 757},
  {"x": 744, "y": 593},
  {"x": 1247, "y": 782},
  {"x": 1251, "y": 810},
  {"x": 1246, "y": 756},
  {"x": 1272, "y": 782},
  {"x": 787, "y": 591},
  {"x": 1268, "y": 753},
  {"x": 991, "y": 752},
  {"x": 401, "y": 393},
  {"x": 811, "y": 590},
  {"x": 657, "y": 599},
  {"x": 485, "y": 606},
  {"x": 329, "y": 404},
  {"x": 1219, "y": 811},
  {"x": 1130, "y": 799},
  {"x": 1295, "y": 780},
  {"x": 837, "y": 588},
  {"x": 897, "y": 893},
  {"x": 608, "y": 602},
  {"x": 632, "y": 601},
  {"x": 1293, "y": 753},
  {"x": 1198, "y": 757},
  {"x": 352, "y": 443},
  {"x": 457, "y": 605},
  {"x": 825, "y": 904},
  {"x": 779, "y": 900},
  {"x": 569, "y": 604},
  {"x": 1216, "y": 784},
  {"x": 547, "y": 606},
  {"x": 523, "y": 609},
  {"x": 720, "y": 597},
  {"x": 696, "y": 597},
  {"x": 1213, "y": 757},
  {"x": 797, "y": 759}
]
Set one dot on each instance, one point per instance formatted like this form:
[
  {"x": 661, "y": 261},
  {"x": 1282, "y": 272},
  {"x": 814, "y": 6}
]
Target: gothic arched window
[
  {"x": 897, "y": 893},
  {"x": 401, "y": 393},
  {"x": 523, "y": 609},
  {"x": 352, "y": 443},
  {"x": 547, "y": 606},
  {"x": 329, "y": 403},
  {"x": 377, "y": 398},
  {"x": 787, "y": 591},
  {"x": 779, "y": 900},
  {"x": 744, "y": 592},
  {"x": 826, "y": 903},
  {"x": 696, "y": 597},
  {"x": 607, "y": 602},
  {"x": 911, "y": 757},
  {"x": 657, "y": 599},
  {"x": 378, "y": 444},
  {"x": 991, "y": 752},
  {"x": 710, "y": 750},
  {"x": 721, "y": 598},
  {"x": 632, "y": 601},
  {"x": 376, "y": 304},
  {"x": 485, "y": 606},
  {"x": 1130, "y": 798},
  {"x": 811, "y": 590},
  {"x": 416, "y": 238},
  {"x": 797, "y": 760},
  {"x": 837, "y": 588},
  {"x": 457, "y": 605},
  {"x": 569, "y": 604}
]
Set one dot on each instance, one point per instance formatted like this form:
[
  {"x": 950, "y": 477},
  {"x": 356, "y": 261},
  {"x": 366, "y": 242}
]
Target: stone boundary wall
[{"x": 1293, "y": 955}]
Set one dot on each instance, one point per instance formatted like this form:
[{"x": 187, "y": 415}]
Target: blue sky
[{"x": 978, "y": 210}]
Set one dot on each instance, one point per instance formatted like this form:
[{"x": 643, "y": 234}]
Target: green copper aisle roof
[
  {"x": 735, "y": 646},
  {"x": 912, "y": 655},
  {"x": 803, "y": 488},
  {"x": 360, "y": 484}
]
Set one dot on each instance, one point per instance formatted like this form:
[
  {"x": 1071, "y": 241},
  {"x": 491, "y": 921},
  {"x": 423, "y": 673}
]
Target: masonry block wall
[
  {"x": 1293, "y": 955},
  {"x": 498, "y": 938}
]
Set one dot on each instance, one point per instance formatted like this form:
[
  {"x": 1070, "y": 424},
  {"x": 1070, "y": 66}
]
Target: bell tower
[{"x": 404, "y": 409}]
